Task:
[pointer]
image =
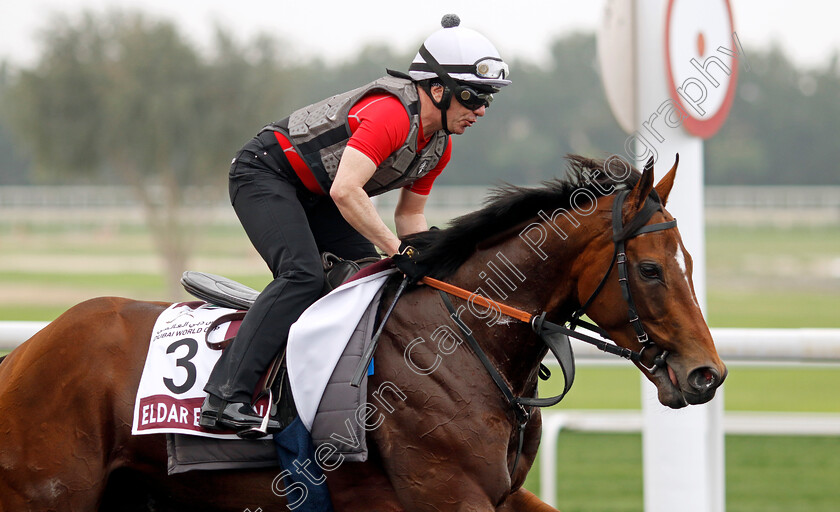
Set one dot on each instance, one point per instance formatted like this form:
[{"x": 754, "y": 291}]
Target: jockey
[{"x": 302, "y": 186}]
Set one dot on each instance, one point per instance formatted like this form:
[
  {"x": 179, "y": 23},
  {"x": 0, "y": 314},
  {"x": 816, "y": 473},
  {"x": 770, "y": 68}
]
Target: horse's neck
[
  {"x": 513, "y": 272},
  {"x": 528, "y": 275}
]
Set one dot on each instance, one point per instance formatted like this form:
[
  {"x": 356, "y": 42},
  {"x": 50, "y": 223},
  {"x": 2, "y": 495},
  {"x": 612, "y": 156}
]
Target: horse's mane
[
  {"x": 1, "y": 359},
  {"x": 443, "y": 251}
]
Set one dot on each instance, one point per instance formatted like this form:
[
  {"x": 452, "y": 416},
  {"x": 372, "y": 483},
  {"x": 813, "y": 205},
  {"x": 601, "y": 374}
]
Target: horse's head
[
  {"x": 658, "y": 288},
  {"x": 605, "y": 265}
]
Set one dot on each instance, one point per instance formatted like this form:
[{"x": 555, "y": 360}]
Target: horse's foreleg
[{"x": 523, "y": 500}]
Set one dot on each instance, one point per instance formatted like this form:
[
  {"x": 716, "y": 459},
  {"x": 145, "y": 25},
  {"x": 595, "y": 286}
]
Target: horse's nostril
[{"x": 704, "y": 379}]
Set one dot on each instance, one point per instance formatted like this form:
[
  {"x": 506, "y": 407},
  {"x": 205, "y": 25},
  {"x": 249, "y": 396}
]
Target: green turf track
[{"x": 603, "y": 473}]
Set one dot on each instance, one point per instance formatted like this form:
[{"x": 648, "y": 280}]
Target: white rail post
[
  {"x": 677, "y": 65},
  {"x": 669, "y": 84}
]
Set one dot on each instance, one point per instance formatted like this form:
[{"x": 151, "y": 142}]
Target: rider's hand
[{"x": 406, "y": 261}]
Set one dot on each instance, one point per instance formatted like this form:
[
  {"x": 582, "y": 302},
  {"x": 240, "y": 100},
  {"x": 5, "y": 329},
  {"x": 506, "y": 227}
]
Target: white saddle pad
[{"x": 318, "y": 338}]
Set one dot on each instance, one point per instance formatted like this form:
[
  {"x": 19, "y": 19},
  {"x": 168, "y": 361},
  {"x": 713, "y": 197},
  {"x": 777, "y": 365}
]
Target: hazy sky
[{"x": 333, "y": 29}]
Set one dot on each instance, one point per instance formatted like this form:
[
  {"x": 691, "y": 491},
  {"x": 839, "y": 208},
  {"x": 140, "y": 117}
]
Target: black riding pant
[{"x": 289, "y": 226}]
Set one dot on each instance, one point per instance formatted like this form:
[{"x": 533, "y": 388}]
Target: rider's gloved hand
[{"x": 406, "y": 261}]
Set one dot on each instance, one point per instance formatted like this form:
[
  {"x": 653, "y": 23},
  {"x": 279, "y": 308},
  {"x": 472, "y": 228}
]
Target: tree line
[{"x": 122, "y": 98}]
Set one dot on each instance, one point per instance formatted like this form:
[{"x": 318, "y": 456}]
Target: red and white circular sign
[{"x": 701, "y": 76}]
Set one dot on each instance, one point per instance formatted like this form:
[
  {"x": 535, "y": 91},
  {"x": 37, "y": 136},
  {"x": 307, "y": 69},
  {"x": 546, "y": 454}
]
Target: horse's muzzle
[{"x": 702, "y": 383}]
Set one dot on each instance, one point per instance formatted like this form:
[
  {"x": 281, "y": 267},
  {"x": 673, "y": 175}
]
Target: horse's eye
[{"x": 650, "y": 271}]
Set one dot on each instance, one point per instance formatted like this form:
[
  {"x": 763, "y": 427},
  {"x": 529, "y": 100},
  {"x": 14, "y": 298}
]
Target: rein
[{"x": 555, "y": 336}]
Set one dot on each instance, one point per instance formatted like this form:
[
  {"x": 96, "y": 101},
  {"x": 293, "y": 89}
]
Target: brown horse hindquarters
[{"x": 66, "y": 404}]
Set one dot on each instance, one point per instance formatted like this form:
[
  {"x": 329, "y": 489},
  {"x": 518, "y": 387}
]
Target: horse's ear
[
  {"x": 663, "y": 188},
  {"x": 636, "y": 198}
]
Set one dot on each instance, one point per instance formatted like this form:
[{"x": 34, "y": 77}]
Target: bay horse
[{"x": 67, "y": 394}]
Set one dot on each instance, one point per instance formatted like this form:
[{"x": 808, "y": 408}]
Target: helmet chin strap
[
  {"x": 442, "y": 105},
  {"x": 447, "y": 82}
]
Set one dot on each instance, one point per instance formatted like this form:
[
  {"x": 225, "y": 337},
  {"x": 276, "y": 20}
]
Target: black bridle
[
  {"x": 621, "y": 233},
  {"x": 556, "y": 337}
]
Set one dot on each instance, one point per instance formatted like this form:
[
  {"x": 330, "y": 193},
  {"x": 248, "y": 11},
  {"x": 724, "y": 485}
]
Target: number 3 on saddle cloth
[{"x": 179, "y": 363}]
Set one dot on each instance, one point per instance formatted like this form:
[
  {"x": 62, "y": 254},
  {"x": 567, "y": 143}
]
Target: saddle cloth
[
  {"x": 331, "y": 335},
  {"x": 177, "y": 367}
]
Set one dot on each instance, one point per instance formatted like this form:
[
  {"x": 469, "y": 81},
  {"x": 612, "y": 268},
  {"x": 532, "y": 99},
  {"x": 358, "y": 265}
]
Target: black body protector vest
[{"x": 319, "y": 134}]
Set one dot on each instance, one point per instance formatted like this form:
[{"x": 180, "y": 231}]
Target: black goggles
[{"x": 470, "y": 98}]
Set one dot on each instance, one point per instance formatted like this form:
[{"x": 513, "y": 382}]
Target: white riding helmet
[{"x": 464, "y": 54}]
